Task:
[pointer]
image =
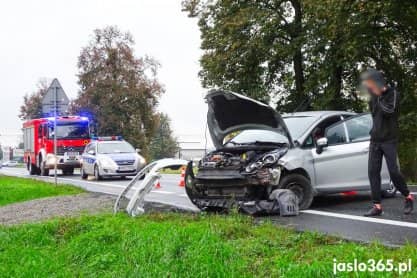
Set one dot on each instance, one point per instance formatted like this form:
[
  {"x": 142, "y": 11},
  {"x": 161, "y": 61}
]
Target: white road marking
[
  {"x": 362, "y": 218},
  {"x": 162, "y": 192}
]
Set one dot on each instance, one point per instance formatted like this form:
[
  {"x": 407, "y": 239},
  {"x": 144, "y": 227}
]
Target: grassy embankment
[
  {"x": 174, "y": 245},
  {"x": 14, "y": 190}
]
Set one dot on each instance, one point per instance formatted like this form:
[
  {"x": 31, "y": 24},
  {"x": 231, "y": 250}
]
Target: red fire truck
[{"x": 38, "y": 135}]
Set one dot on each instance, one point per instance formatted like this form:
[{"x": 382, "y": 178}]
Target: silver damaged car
[{"x": 257, "y": 151}]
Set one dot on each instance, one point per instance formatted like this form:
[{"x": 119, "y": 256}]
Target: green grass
[
  {"x": 174, "y": 245},
  {"x": 14, "y": 190},
  {"x": 175, "y": 172}
]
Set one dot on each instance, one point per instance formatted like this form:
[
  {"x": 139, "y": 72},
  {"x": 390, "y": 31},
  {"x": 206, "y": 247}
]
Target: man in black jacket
[{"x": 384, "y": 106}]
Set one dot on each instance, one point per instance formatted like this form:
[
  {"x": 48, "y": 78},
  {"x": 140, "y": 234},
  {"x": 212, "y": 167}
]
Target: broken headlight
[{"x": 268, "y": 159}]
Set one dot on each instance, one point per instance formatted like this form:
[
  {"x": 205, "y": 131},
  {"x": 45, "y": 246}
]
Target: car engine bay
[{"x": 231, "y": 176}]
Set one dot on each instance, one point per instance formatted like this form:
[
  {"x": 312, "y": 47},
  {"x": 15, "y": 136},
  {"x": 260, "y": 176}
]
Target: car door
[
  {"x": 343, "y": 165},
  {"x": 358, "y": 129},
  {"x": 89, "y": 157},
  {"x": 330, "y": 165}
]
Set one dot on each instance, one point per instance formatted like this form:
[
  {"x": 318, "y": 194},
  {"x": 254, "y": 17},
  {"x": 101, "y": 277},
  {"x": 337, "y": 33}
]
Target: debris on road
[{"x": 135, "y": 205}]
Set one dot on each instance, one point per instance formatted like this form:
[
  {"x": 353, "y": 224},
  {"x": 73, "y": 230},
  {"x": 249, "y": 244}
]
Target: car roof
[{"x": 316, "y": 114}]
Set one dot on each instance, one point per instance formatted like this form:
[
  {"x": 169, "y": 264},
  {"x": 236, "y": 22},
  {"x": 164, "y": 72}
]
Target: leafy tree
[
  {"x": 308, "y": 54},
  {"x": 249, "y": 46},
  {"x": 163, "y": 144},
  {"x": 32, "y": 103},
  {"x": 119, "y": 90}
]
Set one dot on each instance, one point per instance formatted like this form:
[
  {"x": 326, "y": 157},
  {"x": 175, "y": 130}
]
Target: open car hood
[{"x": 228, "y": 112}]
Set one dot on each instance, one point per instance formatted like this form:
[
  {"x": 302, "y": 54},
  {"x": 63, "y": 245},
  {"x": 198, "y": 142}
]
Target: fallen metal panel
[{"x": 135, "y": 205}]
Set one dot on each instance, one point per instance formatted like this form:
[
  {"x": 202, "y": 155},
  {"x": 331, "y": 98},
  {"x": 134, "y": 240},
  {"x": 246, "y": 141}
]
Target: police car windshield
[{"x": 114, "y": 147}]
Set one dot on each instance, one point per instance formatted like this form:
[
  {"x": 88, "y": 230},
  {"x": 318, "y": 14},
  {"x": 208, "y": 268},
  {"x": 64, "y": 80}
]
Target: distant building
[
  {"x": 18, "y": 154},
  {"x": 193, "y": 146}
]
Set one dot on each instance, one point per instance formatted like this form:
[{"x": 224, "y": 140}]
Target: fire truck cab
[{"x": 72, "y": 133}]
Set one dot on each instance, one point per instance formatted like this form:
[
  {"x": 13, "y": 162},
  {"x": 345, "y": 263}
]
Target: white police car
[{"x": 110, "y": 157}]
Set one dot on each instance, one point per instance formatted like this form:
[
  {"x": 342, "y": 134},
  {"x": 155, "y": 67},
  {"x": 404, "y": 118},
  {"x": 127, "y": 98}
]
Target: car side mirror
[
  {"x": 91, "y": 152},
  {"x": 321, "y": 144},
  {"x": 138, "y": 150}
]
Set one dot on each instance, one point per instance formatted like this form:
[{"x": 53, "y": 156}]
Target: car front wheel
[
  {"x": 301, "y": 187},
  {"x": 97, "y": 173},
  {"x": 84, "y": 176}
]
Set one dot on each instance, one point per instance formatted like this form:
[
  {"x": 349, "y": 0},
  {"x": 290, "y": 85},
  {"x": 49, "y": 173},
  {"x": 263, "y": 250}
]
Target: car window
[
  {"x": 256, "y": 135},
  {"x": 336, "y": 134},
  {"x": 309, "y": 142},
  {"x": 319, "y": 130},
  {"x": 115, "y": 147},
  {"x": 89, "y": 147},
  {"x": 358, "y": 128}
]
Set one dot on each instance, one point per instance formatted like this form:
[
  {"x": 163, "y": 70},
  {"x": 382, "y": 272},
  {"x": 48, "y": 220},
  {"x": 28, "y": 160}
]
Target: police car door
[{"x": 89, "y": 157}]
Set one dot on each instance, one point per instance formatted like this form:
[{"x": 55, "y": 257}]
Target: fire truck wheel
[
  {"x": 84, "y": 176},
  {"x": 44, "y": 171},
  {"x": 97, "y": 173},
  {"x": 33, "y": 170}
]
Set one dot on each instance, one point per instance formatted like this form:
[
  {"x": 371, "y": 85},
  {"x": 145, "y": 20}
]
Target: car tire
[
  {"x": 84, "y": 176},
  {"x": 33, "y": 170},
  {"x": 301, "y": 186},
  {"x": 97, "y": 173},
  {"x": 389, "y": 193}
]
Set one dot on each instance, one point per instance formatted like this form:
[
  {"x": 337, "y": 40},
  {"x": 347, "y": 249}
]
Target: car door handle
[{"x": 365, "y": 150}]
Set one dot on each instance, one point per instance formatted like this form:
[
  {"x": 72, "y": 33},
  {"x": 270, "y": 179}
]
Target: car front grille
[
  {"x": 125, "y": 162},
  {"x": 63, "y": 149}
]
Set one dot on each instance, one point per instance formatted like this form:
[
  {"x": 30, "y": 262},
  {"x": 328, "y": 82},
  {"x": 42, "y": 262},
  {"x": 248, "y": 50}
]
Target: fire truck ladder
[{"x": 150, "y": 175}]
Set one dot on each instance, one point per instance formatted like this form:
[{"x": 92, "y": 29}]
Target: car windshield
[
  {"x": 297, "y": 125},
  {"x": 70, "y": 131},
  {"x": 115, "y": 147},
  {"x": 257, "y": 136}
]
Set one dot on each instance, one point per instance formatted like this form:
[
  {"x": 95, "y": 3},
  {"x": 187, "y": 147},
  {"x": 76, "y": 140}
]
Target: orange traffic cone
[
  {"x": 158, "y": 185},
  {"x": 182, "y": 178}
]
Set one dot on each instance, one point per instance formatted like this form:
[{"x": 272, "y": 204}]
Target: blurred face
[{"x": 372, "y": 87}]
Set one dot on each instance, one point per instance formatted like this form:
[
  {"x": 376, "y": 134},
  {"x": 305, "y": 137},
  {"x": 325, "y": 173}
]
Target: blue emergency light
[{"x": 107, "y": 138}]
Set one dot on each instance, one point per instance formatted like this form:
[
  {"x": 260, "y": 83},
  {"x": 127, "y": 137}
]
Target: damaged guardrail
[{"x": 146, "y": 179}]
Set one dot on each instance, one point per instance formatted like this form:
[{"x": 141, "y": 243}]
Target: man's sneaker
[
  {"x": 408, "y": 205},
  {"x": 374, "y": 211}
]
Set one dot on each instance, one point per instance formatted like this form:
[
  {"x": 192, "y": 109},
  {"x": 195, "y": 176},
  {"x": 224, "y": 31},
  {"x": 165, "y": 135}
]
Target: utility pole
[{"x": 55, "y": 140}]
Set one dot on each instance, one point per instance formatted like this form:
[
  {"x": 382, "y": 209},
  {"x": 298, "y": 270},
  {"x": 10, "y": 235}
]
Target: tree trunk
[
  {"x": 337, "y": 96},
  {"x": 298, "y": 56}
]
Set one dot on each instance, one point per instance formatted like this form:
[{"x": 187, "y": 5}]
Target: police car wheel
[
  {"x": 97, "y": 173},
  {"x": 84, "y": 176}
]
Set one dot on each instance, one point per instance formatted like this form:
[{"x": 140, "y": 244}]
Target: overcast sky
[{"x": 44, "y": 38}]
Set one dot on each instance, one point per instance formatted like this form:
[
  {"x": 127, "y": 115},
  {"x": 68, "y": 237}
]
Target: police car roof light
[{"x": 107, "y": 138}]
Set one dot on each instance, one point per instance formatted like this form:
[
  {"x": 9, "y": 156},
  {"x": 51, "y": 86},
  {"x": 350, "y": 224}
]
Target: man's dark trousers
[{"x": 376, "y": 152}]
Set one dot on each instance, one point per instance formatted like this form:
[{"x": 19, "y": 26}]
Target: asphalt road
[{"x": 338, "y": 215}]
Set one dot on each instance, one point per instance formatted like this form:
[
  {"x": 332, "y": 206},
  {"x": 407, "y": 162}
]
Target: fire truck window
[
  {"x": 40, "y": 131},
  {"x": 70, "y": 131}
]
